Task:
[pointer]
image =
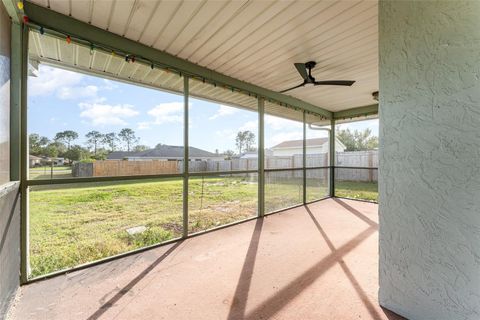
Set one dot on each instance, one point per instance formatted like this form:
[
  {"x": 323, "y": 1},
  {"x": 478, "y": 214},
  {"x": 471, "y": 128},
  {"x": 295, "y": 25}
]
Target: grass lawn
[
  {"x": 79, "y": 223},
  {"x": 357, "y": 190}
]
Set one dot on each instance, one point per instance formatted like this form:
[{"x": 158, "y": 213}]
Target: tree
[
  {"x": 358, "y": 140},
  {"x": 244, "y": 140},
  {"x": 140, "y": 148},
  {"x": 229, "y": 154},
  {"x": 76, "y": 153},
  {"x": 67, "y": 137},
  {"x": 54, "y": 149},
  {"x": 94, "y": 139},
  {"x": 128, "y": 136},
  {"x": 37, "y": 143},
  {"x": 111, "y": 140}
]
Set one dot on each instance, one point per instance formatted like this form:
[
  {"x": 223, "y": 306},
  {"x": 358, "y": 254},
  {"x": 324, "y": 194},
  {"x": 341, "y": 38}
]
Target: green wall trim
[
  {"x": 24, "y": 222},
  {"x": 12, "y": 10},
  {"x": 77, "y": 29},
  {"x": 15, "y": 100},
  {"x": 356, "y": 112}
]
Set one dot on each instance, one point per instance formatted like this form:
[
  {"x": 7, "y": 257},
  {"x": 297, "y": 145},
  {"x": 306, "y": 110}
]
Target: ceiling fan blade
[
  {"x": 334, "y": 83},
  {"x": 300, "y": 85},
  {"x": 302, "y": 70}
]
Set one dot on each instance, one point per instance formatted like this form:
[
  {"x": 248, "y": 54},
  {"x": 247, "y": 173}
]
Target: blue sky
[{"x": 63, "y": 100}]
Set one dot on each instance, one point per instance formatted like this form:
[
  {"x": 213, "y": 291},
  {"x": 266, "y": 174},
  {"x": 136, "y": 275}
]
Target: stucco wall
[
  {"x": 4, "y": 95},
  {"x": 9, "y": 196},
  {"x": 9, "y": 244},
  {"x": 430, "y": 158}
]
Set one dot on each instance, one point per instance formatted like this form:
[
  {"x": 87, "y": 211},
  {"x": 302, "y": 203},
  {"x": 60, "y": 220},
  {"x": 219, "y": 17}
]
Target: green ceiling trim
[
  {"x": 356, "y": 112},
  {"x": 76, "y": 29},
  {"x": 13, "y": 10}
]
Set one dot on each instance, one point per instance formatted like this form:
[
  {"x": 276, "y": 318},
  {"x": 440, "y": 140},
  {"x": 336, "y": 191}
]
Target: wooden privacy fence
[
  {"x": 112, "y": 168},
  {"x": 109, "y": 168},
  {"x": 363, "y": 159}
]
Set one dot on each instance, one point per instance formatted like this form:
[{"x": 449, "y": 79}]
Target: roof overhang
[{"x": 59, "y": 25}]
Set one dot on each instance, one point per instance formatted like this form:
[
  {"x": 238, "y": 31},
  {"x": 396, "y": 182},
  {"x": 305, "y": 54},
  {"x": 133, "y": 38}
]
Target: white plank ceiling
[{"x": 255, "y": 41}]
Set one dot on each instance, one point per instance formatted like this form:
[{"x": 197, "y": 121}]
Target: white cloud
[
  {"x": 227, "y": 134},
  {"x": 101, "y": 114},
  {"x": 65, "y": 85},
  {"x": 109, "y": 84},
  {"x": 276, "y": 123},
  {"x": 250, "y": 126},
  {"x": 69, "y": 93},
  {"x": 170, "y": 112},
  {"x": 223, "y": 111},
  {"x": 51, "y": 80},
  {"x": 143, "y": 125}
]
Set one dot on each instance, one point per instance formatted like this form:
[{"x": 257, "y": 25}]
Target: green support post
[
  {"x": 304, "y": 159},
  {"x": 24, "y": 246},
  {"x": 185, "y": 155},
  {"x": 15, "y": 100},
  {"x": 261, "y": 158},
  {"x": 332, "y": 158}
]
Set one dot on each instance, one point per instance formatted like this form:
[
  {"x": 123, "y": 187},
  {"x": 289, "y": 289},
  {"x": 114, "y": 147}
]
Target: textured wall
[
  {"x": 4, "y": 95},
  {"x": 9, "y": 244},
  {"x": 9, "y": 197},
  {"x": 430, "y": 158}
]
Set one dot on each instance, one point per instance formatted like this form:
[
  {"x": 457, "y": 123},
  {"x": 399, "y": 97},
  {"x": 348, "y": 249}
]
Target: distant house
[
  {"x": 165, "y": 153},
  {"x": 34, "y": 161},
  {"x": 249, "y": 155},
  {"x": 314, "y": 146}
]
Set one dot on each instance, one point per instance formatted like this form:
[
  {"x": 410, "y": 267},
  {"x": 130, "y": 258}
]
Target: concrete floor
[{"x": 314, "y": 262}]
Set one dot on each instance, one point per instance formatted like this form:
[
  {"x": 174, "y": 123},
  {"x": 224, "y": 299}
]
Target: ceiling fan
[{"x": 308, "y": 79}]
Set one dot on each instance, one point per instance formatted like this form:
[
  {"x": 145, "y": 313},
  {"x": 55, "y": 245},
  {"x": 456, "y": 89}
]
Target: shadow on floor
[
  {"x": 240, "y": 297},
  {"x": 107, "y": 305},
  {"x": 274, "y": 304},
  {"x": 357, "y": 213}
]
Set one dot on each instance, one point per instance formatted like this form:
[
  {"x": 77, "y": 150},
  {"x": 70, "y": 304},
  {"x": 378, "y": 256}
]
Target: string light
[{"x": 131, "y": 59}]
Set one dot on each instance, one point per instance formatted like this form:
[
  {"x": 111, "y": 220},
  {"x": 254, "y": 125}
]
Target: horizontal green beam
[
  {"x": 356, "y": 112},
  {"x": 77, "y": 29}
]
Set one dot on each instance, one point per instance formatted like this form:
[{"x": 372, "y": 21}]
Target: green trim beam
[
  {"x": 356, "y": 112},
  {"x": 185, "y": 155},
  {"x": 24, "y": 223},
  {"x": 332, "y": 158},
  {"x": 77, "y": 29},
  {"x": 15, "y": 100},
  {"x": 13, "y": 11},
  {"x": 261, "y": 158},
  {"x": 304, "y": 158}
]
